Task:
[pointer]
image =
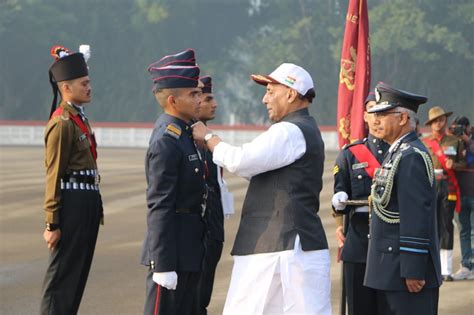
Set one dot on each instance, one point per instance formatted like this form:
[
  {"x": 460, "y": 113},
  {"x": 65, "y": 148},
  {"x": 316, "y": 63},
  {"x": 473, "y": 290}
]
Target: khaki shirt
[
  {"x": 66, "y": 150},
  {"x": 452, "y": 147}
]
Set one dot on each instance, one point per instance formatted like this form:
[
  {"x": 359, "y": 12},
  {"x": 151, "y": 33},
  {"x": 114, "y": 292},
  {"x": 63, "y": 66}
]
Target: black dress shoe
[{"x": 448, "y": 278}]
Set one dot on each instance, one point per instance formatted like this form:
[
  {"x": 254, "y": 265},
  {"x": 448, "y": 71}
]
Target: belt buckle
[{"x": 96, "y": 179}]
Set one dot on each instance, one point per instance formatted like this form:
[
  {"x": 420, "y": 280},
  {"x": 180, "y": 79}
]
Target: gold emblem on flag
[
  {"x": 345, "y": 128},
  {"x": 347, "y": 73}
]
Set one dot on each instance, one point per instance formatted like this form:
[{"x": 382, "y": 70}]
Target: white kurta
[{"x": 285, "y": 282}]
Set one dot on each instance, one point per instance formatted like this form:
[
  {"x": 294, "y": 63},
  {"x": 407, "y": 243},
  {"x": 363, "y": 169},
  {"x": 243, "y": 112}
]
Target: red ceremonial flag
[{"x": 354, "y": 77}]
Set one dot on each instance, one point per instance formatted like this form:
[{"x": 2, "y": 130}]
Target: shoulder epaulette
[
  {"x": 65, "y": 115},
  {"x": 59, "y": 114},
  {"x": 173, "y": 130},
  {"x": 405, "y": 146}
]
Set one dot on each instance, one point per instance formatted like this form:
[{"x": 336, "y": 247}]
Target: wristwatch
[
  {"x": 208, "y": 137},
  {"x": 52, "y": 226}
]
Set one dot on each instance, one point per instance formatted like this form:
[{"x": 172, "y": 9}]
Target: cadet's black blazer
[{"x": 176, "y": 186}]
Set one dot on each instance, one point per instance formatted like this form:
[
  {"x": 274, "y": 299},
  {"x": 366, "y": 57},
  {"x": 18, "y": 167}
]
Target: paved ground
[{"x": 116, "y": 281}]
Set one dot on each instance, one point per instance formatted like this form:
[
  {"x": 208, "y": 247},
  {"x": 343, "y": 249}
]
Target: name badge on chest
[
  {"x": 192, "y": 157},
  {"x": 449, "y": 150},
  {"x": 360, "y": 165},
  {"x": 82, "y": 137}
]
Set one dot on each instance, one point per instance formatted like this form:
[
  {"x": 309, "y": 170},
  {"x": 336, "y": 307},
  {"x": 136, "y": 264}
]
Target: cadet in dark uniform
[
  {"x": 353, "y": 174},
  {"x": 403, "y": 257},
  {"x": 72, "y": 200},
  {"x": 214, "y": 216},
  {"x": 173, "y": 247}
]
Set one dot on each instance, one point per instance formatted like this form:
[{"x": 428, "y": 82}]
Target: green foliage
[
  {"x": 424, "y": 46},
  {"x": 402, "y": 28}
]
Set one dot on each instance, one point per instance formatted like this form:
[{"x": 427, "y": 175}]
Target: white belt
[
  {"x": 363, "y": 209},
  {"x": 78, "y": 186}
]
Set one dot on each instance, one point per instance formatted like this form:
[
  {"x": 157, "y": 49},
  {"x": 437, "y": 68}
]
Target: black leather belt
[
  {"x": 196, "y": 210},
  {"x": 78, "y": 178}
]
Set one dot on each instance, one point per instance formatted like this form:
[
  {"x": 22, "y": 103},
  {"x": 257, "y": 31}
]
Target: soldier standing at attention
[
  {"x": 219, "y": 202},
  {"x": 173, "y": 248},
  {"x": 72, "y": 200},
  {"x": 448, "y": 154},
  {"x": 403, "y": 256},
  {"x": 353, "y": 173}
]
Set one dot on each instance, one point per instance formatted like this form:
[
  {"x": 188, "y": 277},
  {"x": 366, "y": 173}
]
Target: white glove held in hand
[
  {"x": 338, "y": 198},
  {"x": 168, "y": 279}
]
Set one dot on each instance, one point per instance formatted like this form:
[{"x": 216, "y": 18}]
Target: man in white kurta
[{"x": 281, "y": 257}]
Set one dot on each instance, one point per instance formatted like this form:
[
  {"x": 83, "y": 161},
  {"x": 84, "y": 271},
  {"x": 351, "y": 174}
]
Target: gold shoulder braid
[{"x": 385, "y": 179}]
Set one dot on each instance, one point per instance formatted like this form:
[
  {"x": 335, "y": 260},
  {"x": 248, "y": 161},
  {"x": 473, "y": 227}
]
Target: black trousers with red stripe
[
  {"x": 161, "y": 301},
  {"x": 70, "y": 261}
]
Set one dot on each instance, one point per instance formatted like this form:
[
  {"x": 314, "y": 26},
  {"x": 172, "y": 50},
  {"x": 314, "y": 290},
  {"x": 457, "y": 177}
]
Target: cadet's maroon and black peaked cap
[
  {"x": 388, "y": 97},
  {"x": 175, "y": 71},
  {"x": 183, "y": 58},
  {"x": 173, "y": 77},
  {"x": 207, "y": 81}
]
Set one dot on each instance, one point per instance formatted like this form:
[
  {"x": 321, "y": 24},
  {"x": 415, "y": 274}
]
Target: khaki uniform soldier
[
  {"x": 448, "y": 155},
  {"x": 73, "y": 205}
]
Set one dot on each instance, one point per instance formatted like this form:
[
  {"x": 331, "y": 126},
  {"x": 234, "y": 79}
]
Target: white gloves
[
  {"x": 168, "y": 279},
  {"x": 338, "y": 198}
]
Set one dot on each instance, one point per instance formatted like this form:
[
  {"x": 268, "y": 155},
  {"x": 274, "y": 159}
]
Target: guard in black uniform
[
  {"x": 173, "y": 248},
  {"x": 403, "y": 257},
  {"x": 353, "y": 174}
]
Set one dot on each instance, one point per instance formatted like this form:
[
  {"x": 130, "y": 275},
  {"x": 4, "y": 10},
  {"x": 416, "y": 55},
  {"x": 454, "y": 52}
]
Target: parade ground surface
[{"x": 117, "y": 281}]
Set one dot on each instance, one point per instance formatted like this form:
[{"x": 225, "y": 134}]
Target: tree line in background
[{"x": 423, "y": 46}]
